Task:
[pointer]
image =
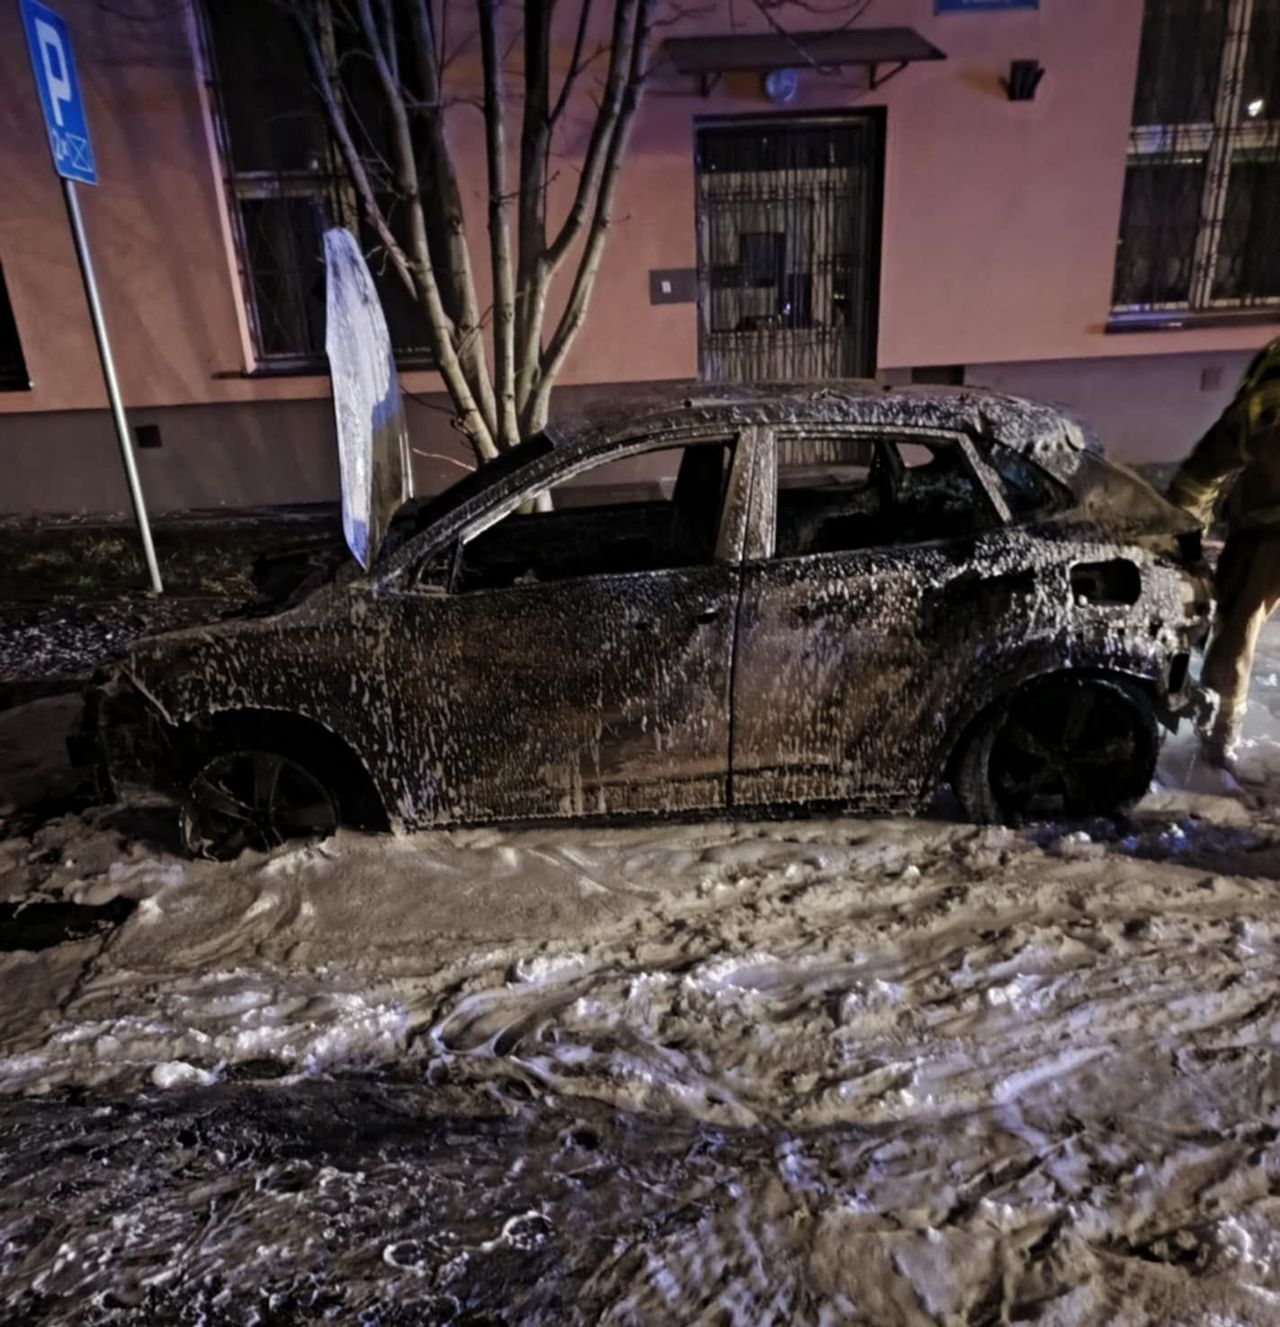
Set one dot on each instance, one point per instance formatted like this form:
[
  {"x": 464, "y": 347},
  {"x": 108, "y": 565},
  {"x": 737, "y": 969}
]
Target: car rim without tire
[
  {"x": 1071, "y": 751},
  {"x": 254, "y": 799}
]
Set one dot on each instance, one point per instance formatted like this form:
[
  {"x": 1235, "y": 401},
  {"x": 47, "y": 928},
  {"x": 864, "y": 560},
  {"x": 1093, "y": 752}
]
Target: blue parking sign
[{"x": 55, "y": 71}]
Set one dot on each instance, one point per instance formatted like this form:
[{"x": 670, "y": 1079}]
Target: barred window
[
  {"x": 1202, "y": 188},
  {"x": 286, "y": 183},
  {"x": 13, "y": 365}
]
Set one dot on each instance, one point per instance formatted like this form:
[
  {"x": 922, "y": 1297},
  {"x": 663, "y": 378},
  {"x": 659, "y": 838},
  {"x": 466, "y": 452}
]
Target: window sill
[
  {"x": 313, "y": 369},
  {"x": 292, "y": 371},
  {"x": 1188, "y": 320}
]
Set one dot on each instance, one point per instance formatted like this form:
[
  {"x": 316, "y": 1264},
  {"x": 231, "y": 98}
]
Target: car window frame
[
  {"x": 765, "y": 501},
  {"x": 730, "y": 521},
  {"x": 1059, "y": 494}
]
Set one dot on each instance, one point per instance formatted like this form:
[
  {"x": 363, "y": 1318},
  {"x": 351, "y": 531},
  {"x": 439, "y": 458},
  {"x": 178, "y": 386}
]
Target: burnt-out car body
[{"x": 841, "y": 595}]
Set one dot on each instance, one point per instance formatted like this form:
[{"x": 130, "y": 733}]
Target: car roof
[
  {"x": 1040, "y": 432},
  {"x": 1025, "y": 426}
]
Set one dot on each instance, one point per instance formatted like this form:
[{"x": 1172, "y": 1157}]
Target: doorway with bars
[{"x": 789, "y": 224}]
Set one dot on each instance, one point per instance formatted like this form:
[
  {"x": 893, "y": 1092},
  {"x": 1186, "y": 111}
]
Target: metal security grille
[
  {"x": 286, "y": 182},
  {"x": 789, "y": 247},
  {"x": 1202, "y": 189},
  {"x": 13, "y": 366}
]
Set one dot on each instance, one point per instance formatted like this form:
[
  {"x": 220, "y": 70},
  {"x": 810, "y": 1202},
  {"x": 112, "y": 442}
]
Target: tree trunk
[
  {"x": 504, "y": 298},
  {"x": 402, "y": 40}
]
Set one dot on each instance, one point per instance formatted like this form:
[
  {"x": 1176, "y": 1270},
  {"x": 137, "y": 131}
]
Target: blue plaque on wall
[{"x": 980, "y": 6}]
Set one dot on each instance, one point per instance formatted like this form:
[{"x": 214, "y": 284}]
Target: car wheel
[
  {"x": 1065, "y": 748},
  {"x": 254, "y": 799}
]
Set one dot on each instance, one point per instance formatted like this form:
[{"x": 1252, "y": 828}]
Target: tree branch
[
  {"x": 504, "y": 299},
  {"x": 446, "y": 200},
  {"x": 389, "y": 44},
  {"x": 355, "y": 163},
  {"x": 602, "y": 130},
  {"x": 576, "y": 309},
  {"x": 422, "y": 273},
  {"x": 440, "y": 456},
  {"x": 766, "y": 8},
  {"x": 575, "y": 66},
  {"x": 535, "y": 138}
]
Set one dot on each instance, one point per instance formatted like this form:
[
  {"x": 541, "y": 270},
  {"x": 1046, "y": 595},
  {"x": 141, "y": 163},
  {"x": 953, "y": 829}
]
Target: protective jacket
[
  {"x": 1239, "y": 456},
  {"x": 1240, "y": 453}
]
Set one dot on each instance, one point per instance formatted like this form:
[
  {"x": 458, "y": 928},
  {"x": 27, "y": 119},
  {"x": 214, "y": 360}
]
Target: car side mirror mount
[{"x": 435, "y": 574}]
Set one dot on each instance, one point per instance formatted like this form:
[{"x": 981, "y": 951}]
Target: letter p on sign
[
  {"x": 55, "y": 69},
  {"x": 53, "y": 58}
]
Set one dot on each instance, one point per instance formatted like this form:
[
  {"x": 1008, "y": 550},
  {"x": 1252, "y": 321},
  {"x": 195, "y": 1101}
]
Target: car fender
[{"x": 1043, "y": 660}]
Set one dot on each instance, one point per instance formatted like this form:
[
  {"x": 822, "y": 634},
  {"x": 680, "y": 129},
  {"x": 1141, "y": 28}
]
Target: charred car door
[
  {"x": 576, "y": 661},
  {"x": 844, "y": 669}
]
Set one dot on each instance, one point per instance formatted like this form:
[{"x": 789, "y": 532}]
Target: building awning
[{"x": 709, "y": 57}]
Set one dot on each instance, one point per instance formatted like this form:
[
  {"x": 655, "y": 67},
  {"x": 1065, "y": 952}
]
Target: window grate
[
  {"x": 1202, "y": 186},
  {"x": 788, "y": 248},
  {"x": 13, "y": 364},
  {"x": 287, "y": 183}
]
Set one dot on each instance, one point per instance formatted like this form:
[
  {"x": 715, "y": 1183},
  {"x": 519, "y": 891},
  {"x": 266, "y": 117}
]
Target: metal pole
[{"x": 113, "y": 388}]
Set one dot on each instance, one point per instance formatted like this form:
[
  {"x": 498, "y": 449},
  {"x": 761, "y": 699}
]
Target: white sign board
[{"x": 373, "y": 439}]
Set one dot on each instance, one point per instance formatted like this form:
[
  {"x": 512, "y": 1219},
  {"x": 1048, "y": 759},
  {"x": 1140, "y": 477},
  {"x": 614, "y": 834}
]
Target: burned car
[{"x": 740, "y": 599}]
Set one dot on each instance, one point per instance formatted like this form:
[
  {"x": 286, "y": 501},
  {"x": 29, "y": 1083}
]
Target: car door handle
[
  {"x": 805, "y": 614},
  {"x": 703, "y": 619}
]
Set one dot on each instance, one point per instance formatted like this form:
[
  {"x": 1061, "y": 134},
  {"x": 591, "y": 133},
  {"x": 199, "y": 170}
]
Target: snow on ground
[{"x": 820, "y": 1071}]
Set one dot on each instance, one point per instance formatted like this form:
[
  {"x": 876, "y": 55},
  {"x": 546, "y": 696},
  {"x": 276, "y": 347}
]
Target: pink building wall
[{"x": 999, "y": 233}]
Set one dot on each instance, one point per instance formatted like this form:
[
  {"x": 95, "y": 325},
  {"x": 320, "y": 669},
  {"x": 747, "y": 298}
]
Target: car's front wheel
[
  {"x": 254, "y": 799},
  {"x": 1063, "y": 748}
]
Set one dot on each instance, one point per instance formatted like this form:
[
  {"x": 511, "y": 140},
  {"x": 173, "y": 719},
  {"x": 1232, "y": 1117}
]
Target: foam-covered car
[{"x": 740, "y": 599}]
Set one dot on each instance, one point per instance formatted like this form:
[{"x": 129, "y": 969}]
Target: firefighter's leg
[{"x": 1248, "y": 589}]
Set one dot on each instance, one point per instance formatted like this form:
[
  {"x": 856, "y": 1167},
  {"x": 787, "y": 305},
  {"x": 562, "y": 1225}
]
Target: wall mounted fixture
[
  {"x": 1024, "y": 78},
  {"x": 781, "y": 85}
]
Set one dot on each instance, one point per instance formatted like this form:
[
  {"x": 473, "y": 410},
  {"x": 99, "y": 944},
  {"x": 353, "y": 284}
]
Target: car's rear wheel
[
  {"x": 1064, "y": 748},
  {"x": 254, "y": 799}
]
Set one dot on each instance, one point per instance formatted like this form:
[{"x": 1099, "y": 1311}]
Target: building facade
[{"x": 1075, "y": 200}]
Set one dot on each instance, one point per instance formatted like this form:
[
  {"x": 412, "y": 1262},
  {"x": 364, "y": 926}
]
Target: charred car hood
[{"x": 1116, "y": 502}]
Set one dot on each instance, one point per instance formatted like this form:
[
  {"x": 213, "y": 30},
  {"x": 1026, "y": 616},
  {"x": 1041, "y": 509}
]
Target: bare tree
[
  {"x": 390, "y": 84},
  {"x": 392, "y": 79}
]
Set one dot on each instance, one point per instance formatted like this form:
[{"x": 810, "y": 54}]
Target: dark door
[
  {"x": 576, "y": 662},
  {"x": 789, "y": 247},
  {"x": 843, "y": 666}
]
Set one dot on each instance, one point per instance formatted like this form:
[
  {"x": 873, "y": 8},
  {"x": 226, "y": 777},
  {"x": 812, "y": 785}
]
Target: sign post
[{"x": 55, "y": 73}]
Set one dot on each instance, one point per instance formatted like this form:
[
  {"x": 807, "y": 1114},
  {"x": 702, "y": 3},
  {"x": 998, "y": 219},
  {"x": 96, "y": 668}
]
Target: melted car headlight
[{"x": 1191, "y": 545}]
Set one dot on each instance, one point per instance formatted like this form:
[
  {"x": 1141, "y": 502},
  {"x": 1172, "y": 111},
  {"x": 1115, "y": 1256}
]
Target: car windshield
[{"x": 419, "y": 513}]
